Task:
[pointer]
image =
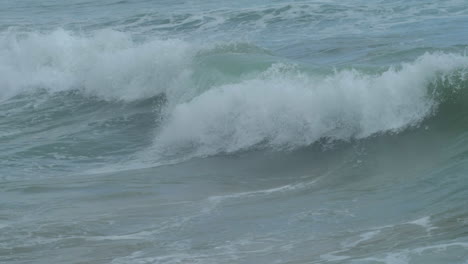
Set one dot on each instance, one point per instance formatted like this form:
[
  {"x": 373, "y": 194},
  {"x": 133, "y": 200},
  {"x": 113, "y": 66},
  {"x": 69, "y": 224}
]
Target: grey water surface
[{"x": 201, "y": 131}]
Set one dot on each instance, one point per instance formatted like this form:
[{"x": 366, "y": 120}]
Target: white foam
[
  {"x": 214, "y": 201},
  {"x": 409, "y": 255},
  {"x": 136, "y": 236},
  {"x": 424, "y": 222},
  {"x": 441, "y": 247},
  {"x": 284, "y": 188},
  {"x": 284, "y": 108},
  {"x": 108, "y": 64},
  {"x": 393, "y": 258},
  {"x": 362, "y": 238}
]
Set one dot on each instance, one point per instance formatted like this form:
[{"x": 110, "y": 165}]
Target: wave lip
[{"x": 284, "y": 108}]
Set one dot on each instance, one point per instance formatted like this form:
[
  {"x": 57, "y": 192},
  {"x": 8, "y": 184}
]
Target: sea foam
[{"x": 107, "y": 64}]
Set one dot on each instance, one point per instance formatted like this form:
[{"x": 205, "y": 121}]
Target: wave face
[{"x": 233, "y": 132}]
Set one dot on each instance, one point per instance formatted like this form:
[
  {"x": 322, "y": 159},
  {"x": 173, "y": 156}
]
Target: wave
[
  {"x": 284, "y": 108},
  {"x": 224, "y": 98},
  {"x": 112, "y": 65},
  {"x": 297, "y": 17},
  {"x": 107, "y": 64}
]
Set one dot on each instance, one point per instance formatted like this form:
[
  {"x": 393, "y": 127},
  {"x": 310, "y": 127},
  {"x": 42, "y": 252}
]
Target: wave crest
[
  {"x": 284, "y": 108},
  {"x": 108, "y": 64}
]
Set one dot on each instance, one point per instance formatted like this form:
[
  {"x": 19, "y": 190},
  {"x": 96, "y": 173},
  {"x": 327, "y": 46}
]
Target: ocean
[{"x": 202, "y": 131}]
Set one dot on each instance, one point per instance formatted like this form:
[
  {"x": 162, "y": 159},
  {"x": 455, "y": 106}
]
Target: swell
[{"x": 46, "y": 134}]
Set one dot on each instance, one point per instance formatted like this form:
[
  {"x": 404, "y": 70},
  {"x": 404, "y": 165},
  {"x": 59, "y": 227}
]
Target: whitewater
[{"x": 204, "y": 131}]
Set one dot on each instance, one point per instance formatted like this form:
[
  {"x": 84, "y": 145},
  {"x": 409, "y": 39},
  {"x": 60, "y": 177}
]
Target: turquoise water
[{"x": 233, "y": 131}]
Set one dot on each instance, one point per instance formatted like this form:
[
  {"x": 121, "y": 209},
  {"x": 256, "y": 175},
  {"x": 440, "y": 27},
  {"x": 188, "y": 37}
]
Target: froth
[
  {"x": 284, "y": 108},
  {"x": 108, "y": 64}
]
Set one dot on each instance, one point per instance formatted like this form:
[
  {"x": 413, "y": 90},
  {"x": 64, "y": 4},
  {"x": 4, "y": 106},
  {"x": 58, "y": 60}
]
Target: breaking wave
[
  {"x": 225, "y": 98},
  {"x": 284, "y": 108}
]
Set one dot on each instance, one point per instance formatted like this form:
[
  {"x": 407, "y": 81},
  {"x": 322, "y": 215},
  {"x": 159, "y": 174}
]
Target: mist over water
[{"x": 233, "y": 132}]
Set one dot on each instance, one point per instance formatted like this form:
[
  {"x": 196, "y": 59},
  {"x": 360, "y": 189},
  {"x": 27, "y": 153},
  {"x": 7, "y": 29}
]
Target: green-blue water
[{"x": 205, "y": 131}]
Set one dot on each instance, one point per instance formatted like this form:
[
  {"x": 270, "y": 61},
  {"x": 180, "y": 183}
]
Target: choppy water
[{"x": 233, "y": 131}]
